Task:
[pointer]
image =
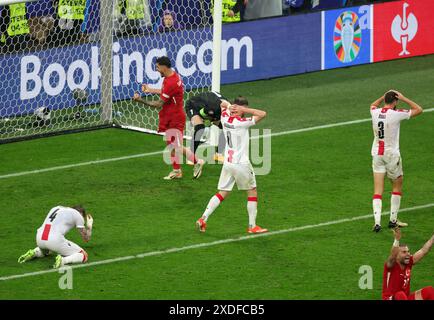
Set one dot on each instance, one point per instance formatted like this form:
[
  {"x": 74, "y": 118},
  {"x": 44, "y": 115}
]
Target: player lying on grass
[
  {"x": 50, "y": 237},
  {"x": 397, "y": 271},
  {"x": 236, "y": 166},
  {"x": 386, "y": 157}
]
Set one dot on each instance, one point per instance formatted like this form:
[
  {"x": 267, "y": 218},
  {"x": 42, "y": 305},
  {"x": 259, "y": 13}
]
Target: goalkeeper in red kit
[
  {"x": 397, "y": 272},
  {"x": 171, "y": 118}
]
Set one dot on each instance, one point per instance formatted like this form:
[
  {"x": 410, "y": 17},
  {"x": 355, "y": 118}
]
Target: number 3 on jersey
[{"x": 381, "y": 130}]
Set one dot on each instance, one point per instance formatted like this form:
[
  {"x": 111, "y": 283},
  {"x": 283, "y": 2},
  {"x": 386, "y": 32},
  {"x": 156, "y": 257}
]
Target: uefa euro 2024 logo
[{"x": 347, "y": 37}]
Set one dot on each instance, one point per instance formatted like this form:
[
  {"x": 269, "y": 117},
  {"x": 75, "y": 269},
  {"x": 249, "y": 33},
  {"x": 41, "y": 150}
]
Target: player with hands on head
[
  {"x": 386, "y": 156},
  {"x": 237, "y": 168}
]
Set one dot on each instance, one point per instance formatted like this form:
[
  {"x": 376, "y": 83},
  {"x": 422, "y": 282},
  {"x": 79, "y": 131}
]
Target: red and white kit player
[
  {"x": 397, "y": 272},
  {"x": 50, "y": 237},
  {"x": 386, "y": 157},
  {"x": 236, "y": 167}
]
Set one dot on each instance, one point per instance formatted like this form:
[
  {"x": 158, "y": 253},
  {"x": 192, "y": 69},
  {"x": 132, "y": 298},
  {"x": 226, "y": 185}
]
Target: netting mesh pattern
[{"x": 50, "y": 60}]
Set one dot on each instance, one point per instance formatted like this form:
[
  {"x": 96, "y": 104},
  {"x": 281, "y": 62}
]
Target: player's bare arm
[
  {"x": 225, "y": 104},
  {"x": 415, "y": 108},
  {"x": 154, "y": 104},
  {"x": 257, "y": 114},
  {"x": 395, "y": 248},
  {"x": 86, "y": 232},
  {"x": 378, "y": 102},
  {"x": 147, "y": 89},
  {"x": 424, "y": 250}
]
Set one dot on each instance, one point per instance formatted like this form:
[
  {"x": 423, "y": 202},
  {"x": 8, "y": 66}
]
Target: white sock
[
  {"x": 213, "y": 203},
  {"x": 252, "y": 208},
  {"x": 376, "y": 205},
  {"x": 79, "y": 257},
  {"x": 395, "y": 203},
  {"x": 39, "y": 253}
]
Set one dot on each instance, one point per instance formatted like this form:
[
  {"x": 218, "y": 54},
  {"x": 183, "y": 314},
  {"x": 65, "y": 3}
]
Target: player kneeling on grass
[
  {"x": 236, "y": 166},
  {"x": 50, "y": 237},
  {"x": 397, "y": 272}
]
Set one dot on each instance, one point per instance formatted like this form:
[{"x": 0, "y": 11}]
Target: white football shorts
[
  {"x": 57, "y": 243},
  {"x": 241, "y": 174},
  {"x": 390, "y": 164}
]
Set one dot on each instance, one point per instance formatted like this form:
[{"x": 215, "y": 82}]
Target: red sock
[
  {"x": 174, "y": 158},
  {"x": 428, "y": 293}
]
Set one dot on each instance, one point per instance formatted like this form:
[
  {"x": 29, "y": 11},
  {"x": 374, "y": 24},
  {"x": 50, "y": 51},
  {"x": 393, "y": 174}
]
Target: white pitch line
[
  {"x": 208, "y": 244},
  {"x": 325, "y": 126},
  {"x": 80, "y": 164},
  {"x": 140, "y": 155}
]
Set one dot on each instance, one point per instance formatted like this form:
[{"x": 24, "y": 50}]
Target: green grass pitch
[{"x": 317, "y": 176}]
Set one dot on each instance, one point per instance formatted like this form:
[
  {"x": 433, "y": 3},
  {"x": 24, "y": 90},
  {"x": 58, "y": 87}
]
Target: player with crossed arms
[
  {"x": 397, "y": 271},
  {"x": 236, "y": 166},
  {"x": 386, "y": 157},
  {"x": 51, "y": 236}
]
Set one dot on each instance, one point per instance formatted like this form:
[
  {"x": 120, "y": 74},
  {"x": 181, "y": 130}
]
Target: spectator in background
[
  {"x": 14, "y": 28},
  {"x": 40, "y": 28},
  {"x": 169, "y": 22},
  {"x": 231, "y": 10},
  {"x": 41, "y": 21},
  {"x": 297, "y": 6},
  {"x": 69, "y": 16},
  {"x": 256, "y": 9},
  {"x": 131, "y": 16}
]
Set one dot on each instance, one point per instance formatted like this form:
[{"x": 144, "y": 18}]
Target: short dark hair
[
  {"x": 164, "y": 61},
  {"x": 80, "y": 209},
  {"x": 390, "y": 97},
  {"x": 241, "y": 101}
]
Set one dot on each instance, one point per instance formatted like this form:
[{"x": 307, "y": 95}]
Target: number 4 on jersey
[{"x": 53, "y": 215}]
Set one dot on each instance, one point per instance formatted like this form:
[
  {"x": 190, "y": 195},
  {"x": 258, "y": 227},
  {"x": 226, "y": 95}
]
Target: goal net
[{"x": 68, "y": 65}]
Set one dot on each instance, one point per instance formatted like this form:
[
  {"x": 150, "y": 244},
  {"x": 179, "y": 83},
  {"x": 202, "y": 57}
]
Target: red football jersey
[
  {"x": 396, "y": 279},
  {"x": 172, "y": 93}
]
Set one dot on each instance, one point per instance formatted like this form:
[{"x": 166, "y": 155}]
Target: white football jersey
[
  {"x": 63, "y": 219},
  {"x": 385, "y": 123},
  {"x": 236, "y": 131}
]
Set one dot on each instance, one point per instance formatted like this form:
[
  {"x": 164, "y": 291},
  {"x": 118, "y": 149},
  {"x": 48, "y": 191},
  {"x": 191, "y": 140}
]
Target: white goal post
[{"x": 75, "y": 65}]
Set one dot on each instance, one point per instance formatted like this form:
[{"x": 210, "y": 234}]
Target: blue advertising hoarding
[
  {"x": 250, "y": 51},
  {"x": 272, "y": 48},
  {"x": 346, "y": 37},
  {"x": 47, "y": 78}
]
